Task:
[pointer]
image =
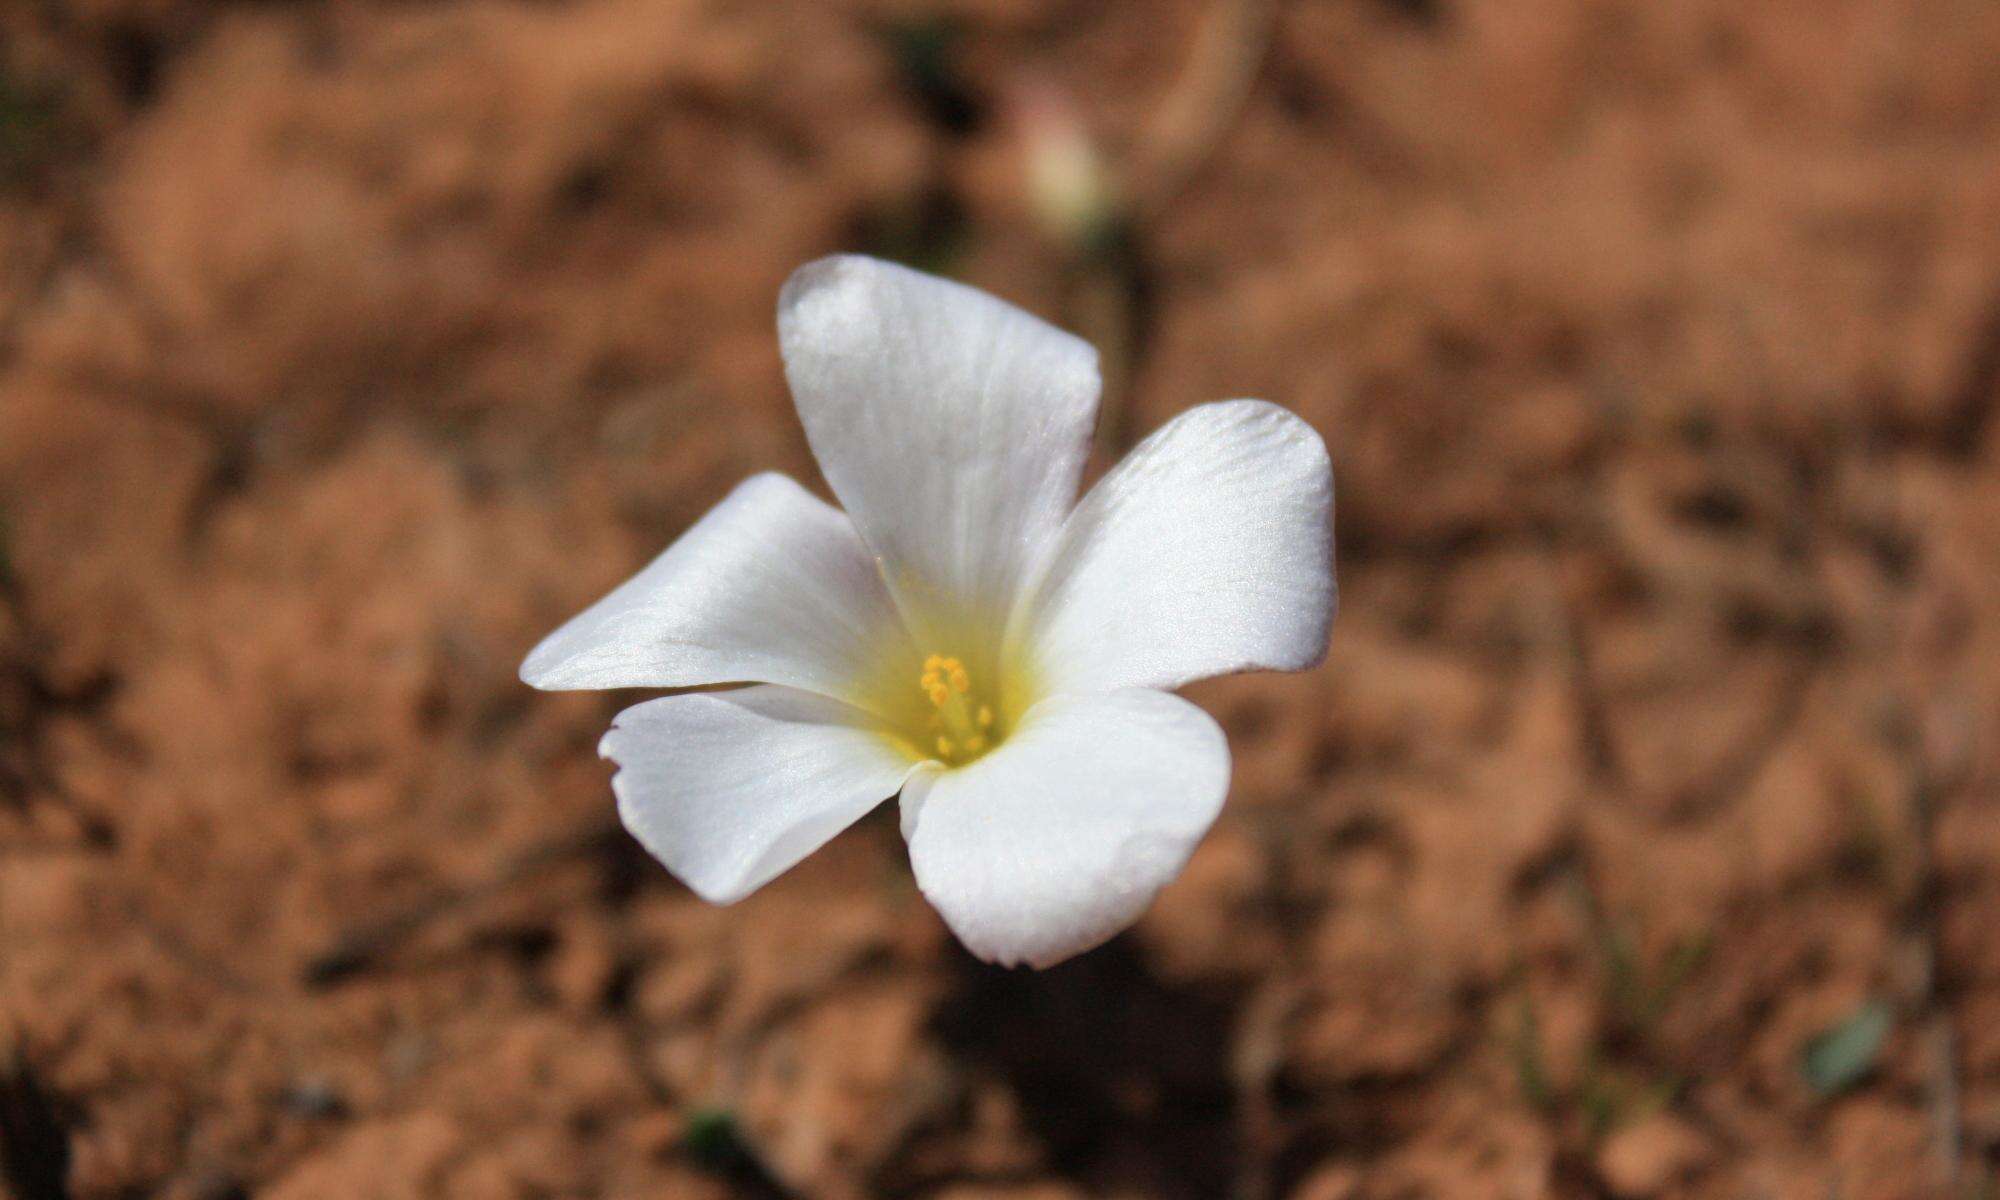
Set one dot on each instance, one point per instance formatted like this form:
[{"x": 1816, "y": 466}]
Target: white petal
[
  {"x": 1208, "y": 550},
  {"x": 729, "y": 789},
  {"x": 911, "y": 803},
  {"x": 952, "y": 426},
  {"x": 772, "y": 586},
  {"x": 1060, "y": 837}
]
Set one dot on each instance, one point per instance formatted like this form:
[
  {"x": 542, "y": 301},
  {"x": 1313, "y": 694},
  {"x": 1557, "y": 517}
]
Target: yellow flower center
[
  {"x": 962, "y": 722},
  {"x": 945, "y": 687}
]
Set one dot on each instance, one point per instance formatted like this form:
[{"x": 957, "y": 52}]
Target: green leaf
[
  {"x": 1526, "y": 1050},
  {"x": 1687, "y": 954},
  {"x": 1842, "y": 1056},
  {"x": 712, "y": 1138}
]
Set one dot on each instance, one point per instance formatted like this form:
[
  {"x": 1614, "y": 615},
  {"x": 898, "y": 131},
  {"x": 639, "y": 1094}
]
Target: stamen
[{"x": 963, "y": 727}]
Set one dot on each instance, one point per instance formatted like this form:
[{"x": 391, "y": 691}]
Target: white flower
[{"x": 963, "y": 633}]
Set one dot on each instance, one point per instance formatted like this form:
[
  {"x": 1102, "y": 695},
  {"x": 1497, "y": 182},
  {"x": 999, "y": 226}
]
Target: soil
[{"x": 345, "y": 349}]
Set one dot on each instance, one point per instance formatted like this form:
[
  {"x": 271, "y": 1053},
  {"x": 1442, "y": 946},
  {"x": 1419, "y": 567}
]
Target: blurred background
[{"x": 1640, "y": 836}]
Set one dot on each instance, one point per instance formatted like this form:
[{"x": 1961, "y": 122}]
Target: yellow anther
[{"x": 961, "y": 727}]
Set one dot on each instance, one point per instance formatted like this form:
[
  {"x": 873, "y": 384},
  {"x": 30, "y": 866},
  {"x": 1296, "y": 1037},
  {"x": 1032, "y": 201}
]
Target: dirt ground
[{"x": 1640, "y": 836}]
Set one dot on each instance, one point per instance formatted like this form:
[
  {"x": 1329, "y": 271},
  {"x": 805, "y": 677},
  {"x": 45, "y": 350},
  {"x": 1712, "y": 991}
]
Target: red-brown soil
[{"x": 345, "y": 349}]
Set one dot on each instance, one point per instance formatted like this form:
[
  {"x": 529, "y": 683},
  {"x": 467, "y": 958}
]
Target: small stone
[
  {"x": 1332, "y": 1182},
  {"x": 1647, "y": 1158}
]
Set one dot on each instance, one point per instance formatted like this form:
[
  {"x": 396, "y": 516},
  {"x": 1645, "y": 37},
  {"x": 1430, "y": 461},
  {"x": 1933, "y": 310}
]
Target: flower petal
[
  {"x": 951, "y": 425},
  {"x": 1060, "y": 837},
  {"x": 1208, "y": 550},
  {"x": 772, "y": 586},
  {"x": 729, "y": 789}
]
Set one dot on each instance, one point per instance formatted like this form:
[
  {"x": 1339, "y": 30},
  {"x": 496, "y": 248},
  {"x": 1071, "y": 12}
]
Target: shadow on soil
[{"x": 1122, "y": 1077}]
